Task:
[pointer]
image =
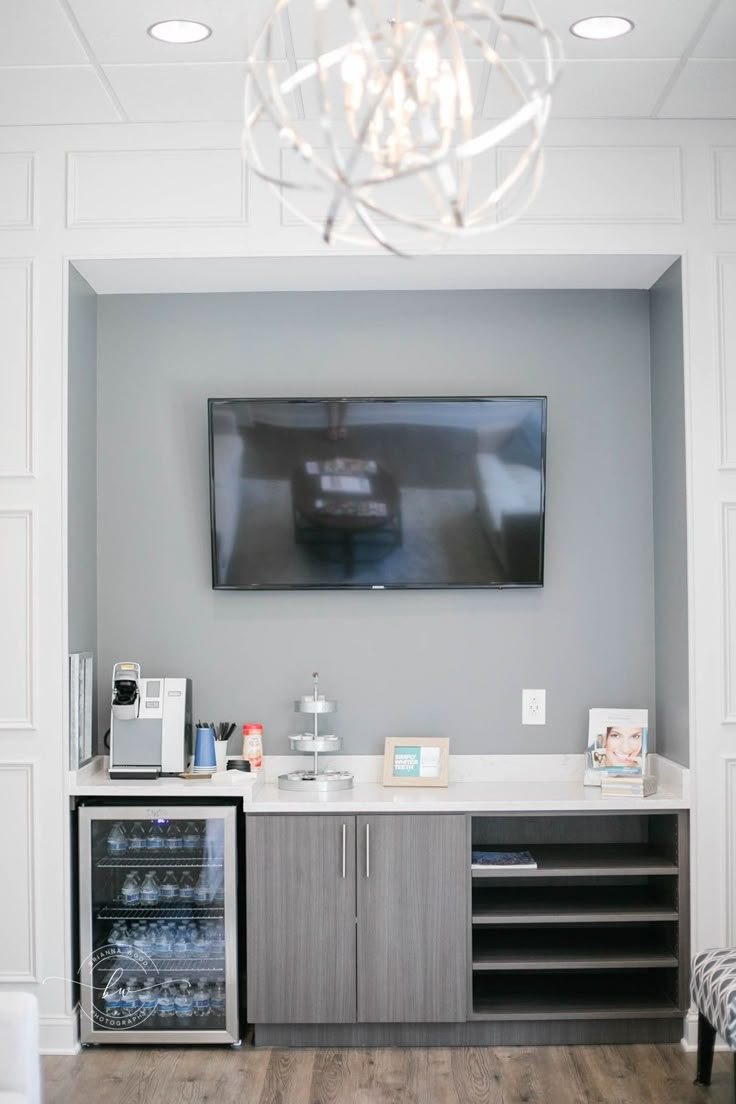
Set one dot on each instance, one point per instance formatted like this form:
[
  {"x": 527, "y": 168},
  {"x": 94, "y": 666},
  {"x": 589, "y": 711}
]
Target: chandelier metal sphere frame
[{"x": 399, "y": 155}]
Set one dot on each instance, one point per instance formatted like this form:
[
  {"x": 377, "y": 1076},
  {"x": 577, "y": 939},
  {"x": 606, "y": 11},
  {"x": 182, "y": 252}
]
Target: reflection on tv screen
[{"x": 377, "y": 492}]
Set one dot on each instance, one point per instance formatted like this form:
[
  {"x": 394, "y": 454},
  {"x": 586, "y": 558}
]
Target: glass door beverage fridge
[{"x": 158, "y": 924}]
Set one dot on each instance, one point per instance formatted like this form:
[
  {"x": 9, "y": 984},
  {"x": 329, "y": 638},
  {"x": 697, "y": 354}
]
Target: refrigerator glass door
[{"x": 158, "y": 924}]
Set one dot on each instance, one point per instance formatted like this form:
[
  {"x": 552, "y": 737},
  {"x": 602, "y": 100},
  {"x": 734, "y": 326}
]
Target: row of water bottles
[
  {"x": 160, "y": 836},
  {"x": 169, "y": 1005},
  {"x": 146, "y": 889},
  {"x": 185, "y": 939}
]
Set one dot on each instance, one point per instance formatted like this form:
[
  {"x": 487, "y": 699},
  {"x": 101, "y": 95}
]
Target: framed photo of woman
[{"x": 617, "y": 743}]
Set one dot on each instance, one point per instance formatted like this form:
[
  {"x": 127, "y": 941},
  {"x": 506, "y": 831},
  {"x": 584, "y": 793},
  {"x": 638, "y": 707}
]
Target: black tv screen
[{"x": 377, "y": 493}]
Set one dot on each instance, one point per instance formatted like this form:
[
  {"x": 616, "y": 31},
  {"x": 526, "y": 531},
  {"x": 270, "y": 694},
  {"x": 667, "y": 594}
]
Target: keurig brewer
[{"x": 150, "y": 724}]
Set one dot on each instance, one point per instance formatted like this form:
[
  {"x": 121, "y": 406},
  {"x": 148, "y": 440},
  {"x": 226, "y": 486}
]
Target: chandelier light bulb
[{"x": 399, "y": 150}]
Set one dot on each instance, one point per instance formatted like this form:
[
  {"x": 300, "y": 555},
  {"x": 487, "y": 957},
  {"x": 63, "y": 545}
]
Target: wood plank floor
[{"x": 470, "y": 1075}]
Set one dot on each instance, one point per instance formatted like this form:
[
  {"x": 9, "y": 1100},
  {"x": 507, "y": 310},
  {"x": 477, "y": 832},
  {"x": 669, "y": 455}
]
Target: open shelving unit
[{"x": 598, "y": 931}]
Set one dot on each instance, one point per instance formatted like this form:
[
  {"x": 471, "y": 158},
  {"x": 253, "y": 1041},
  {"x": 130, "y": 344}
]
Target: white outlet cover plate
[{"x": 533, "y": 707}]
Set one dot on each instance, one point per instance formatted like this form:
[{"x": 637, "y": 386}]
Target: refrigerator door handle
[
  {"x": 344, "y": 834},
  {"x": 367, "y": 850}
]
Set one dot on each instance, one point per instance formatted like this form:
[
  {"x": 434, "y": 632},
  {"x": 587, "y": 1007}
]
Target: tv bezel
[{"x": 252, "y": 587}]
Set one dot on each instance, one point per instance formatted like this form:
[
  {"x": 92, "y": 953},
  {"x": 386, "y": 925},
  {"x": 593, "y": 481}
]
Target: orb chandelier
[{"x": 411, "y": 123}]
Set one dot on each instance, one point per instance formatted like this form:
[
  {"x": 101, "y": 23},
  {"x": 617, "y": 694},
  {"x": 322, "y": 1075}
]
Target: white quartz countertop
[{"x": 504, "y": 794}]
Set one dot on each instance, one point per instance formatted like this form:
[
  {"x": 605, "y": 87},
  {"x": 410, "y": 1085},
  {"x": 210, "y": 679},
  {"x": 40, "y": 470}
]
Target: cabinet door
[
  {"x": 413, "y": 900},
  {"x": 300, "y": 884}
]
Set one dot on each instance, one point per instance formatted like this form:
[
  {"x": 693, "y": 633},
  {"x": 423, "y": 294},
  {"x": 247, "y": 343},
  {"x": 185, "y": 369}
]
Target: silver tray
[{"x": 307, "y": 742}]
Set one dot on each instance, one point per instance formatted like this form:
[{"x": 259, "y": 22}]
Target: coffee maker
[{"x": 150, "y": 724}]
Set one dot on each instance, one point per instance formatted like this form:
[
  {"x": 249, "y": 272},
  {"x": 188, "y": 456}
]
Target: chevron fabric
[{"x": 713, "y": 990}]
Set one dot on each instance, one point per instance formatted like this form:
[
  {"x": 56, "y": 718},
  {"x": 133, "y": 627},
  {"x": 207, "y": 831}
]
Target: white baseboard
[
  {"x": 59, "y": 1034},
  {"x": 689, "y": 1041}
]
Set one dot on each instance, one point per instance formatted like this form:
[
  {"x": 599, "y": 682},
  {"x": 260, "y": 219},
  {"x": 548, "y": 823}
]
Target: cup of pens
[
  {"x": 223, "y": 732},
  {"x": 205, "y": 760}
]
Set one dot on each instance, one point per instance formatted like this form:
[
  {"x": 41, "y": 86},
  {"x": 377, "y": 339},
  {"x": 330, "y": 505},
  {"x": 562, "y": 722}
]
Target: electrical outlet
[{"x": 533, "y": 707}]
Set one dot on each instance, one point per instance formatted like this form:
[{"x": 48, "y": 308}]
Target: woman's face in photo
[{"x": 623, "y": 746}]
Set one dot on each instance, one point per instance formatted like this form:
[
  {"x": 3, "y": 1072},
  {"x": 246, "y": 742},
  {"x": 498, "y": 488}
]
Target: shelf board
[
  {"x": 604, "y": 996},
  {"x": 585, "y": 860},
  {"x": 554, "y": 959},
  {"x": 538, "y": 905},
  {"x": 485, "y": 1008}
]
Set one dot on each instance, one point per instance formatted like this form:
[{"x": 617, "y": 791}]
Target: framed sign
[{"x": 415, "y": 761}]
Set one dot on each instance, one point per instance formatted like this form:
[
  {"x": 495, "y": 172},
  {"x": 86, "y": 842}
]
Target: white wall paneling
[
  {"x": 16, "y": 366},
  {"x": 726, "y": 284},
  {"x": 17, "y": 191},
  {"x": 728, "y": 530},
  {"x": 16, "y": 619},
  {"x": 149, "y": 188},
  {"x": 18, "y": 874},
  {"x": 730, "y": 852},
  {"x": 612, "y": 187},
  {"x": 603, "y": 184},
  {"x": 724, "y": 184}
]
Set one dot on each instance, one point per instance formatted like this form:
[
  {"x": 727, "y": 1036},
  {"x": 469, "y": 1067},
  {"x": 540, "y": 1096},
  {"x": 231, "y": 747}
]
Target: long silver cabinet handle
[
  {"x": 367, "y": 850},
  {"x": 344, "y": 834}
]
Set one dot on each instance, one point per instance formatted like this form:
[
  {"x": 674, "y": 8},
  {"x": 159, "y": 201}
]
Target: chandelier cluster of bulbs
[{"x": 399, "y": 154}]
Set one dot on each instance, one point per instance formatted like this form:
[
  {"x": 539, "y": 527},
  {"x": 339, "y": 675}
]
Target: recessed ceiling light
[
  {"x": 602, "y": 26},
  {"x": 179, "y": 31}
]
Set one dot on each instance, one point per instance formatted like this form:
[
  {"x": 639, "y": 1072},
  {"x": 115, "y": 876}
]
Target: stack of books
[{"x": 628, "y": 785}]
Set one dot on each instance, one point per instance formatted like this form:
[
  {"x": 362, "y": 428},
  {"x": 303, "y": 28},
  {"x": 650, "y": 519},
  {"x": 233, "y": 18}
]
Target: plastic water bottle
[
  {"x": 112, "y": 1001},
  {"x": 155, "y": 838},
  {"x": 218, "y": 939},
  {"x": 131, "y": 891},
  {"x": 117, "y": 842},
  {"x": 201, "y": 999},
  {"x": 183, "y": 1003},
  {"x": 190, "y": 837},
  {"x": 217, "y": 999},
  {"x": 166, "y": 1008},
  {"x": 173, "y": 839},
  {"x": 201, "y": 947},
  {"x": 136, "y": 838},
  {"x": 129, "y": 997},
  {"x": 148, "y": 999},
  {"x": 186, "y": 887},
  {"x": 149, "y": 890},
  {"x": 202, "y": 890},
  {"x": 169, "y": 887},
  {"x": 161, "y": 941},
  {"x": 180, "y": 946}
]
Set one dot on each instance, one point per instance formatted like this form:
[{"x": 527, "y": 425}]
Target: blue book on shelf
[{"x": 504, "y": 859}]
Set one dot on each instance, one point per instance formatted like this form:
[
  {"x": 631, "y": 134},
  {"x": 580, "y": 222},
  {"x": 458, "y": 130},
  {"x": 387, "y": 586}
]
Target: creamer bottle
[{"x": 253, "y": 745}]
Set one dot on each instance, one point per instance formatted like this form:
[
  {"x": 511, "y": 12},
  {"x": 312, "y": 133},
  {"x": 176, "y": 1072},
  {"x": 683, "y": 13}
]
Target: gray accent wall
[
  {"x": 670, "y": 517},
  {"x": 400, "y": 663},
  {"x": 82, "y": 466}
]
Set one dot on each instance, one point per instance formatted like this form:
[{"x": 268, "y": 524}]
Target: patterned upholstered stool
[{"x": 713, "y": 989}]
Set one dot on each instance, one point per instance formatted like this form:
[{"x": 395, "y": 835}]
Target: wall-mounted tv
[{"x": 377, "y": 493}]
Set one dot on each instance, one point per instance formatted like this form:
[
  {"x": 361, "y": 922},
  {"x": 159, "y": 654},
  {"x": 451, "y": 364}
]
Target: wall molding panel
[
  {"x": 728, "y": 531},
  {"x": 730, "y": 856},
  {"x": 726, "y": 323},
  {"x": 724, "y": 184},
  {"x": 156, "y": 188},
  {"x": 16, "y": 360},
  {"x": 17, "y": 191},
  {"x": 17, "y": 591},
  {"x": 18, "y": 870},
  {"x": 603, "y": 184}
]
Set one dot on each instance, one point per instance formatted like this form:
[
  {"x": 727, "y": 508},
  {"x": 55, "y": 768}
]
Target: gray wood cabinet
[
  {"x": 407, "y": 896},
  {"x": 300, "y": 917},
  {"x": 413, "y": 884}
]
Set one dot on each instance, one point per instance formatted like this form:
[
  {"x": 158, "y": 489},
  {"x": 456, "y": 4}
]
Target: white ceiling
[{"x": 91, "y": 61}]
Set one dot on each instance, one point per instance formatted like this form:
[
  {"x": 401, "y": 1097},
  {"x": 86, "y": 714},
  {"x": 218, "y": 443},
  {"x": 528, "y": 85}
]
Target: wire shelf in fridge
[
  {"x": 176, "y": 861},
  {"x": 190, "y": 910},
  {"x": 167, "y": 966}
]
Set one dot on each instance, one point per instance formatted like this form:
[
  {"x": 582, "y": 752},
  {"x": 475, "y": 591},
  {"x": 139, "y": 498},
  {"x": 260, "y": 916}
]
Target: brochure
[
  {"x": 617, "y": 743},
  {"x": 504, "y": 859}
]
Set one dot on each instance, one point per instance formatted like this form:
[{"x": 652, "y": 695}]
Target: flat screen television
[{"x": 377, "y": 493}]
